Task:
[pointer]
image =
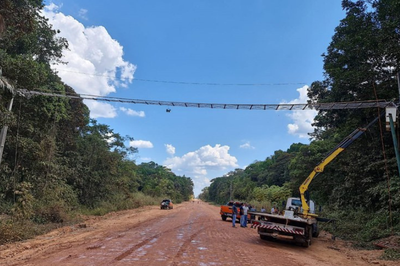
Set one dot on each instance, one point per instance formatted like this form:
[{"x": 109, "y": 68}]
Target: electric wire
[{"x": 191, "y": 83}]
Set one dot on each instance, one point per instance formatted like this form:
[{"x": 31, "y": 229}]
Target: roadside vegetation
[
  {"x": 58, "y": 164},
  {"x": 360, "y": 189}
]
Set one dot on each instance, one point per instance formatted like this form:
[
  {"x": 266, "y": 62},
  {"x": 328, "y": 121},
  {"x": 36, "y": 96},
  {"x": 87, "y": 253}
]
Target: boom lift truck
[{"x": 298, "y": 222}]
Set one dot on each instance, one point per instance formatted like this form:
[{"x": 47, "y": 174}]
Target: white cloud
[
  {"x": 95, "y": 60},
  {"x": 131, "y": 112},
  {"x": 109, "y": 138},
  {"x": 302, "y": 119},
  {"x": 144, "y": 144},
  {"x": 197, "y": 164},
  {"x": 247, "y": 146},
  {"x": 100, "y": 109},
  {"x": 170, "y": 149}
]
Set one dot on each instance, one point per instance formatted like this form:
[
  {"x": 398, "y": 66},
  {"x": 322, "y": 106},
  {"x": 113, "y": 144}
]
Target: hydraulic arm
[{"x": 330, "y": 156}]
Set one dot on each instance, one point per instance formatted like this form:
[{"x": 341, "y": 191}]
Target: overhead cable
[{"x": 192, "y": 83}]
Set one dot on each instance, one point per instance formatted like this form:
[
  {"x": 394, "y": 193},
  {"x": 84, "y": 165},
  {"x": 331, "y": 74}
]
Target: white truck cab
[{"x": 294, "y": 204}]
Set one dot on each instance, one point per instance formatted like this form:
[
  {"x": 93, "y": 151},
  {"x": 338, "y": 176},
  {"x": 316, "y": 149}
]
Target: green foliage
[
  {"x": 23, "y": 208},
  {"x": 360, "y": 225},
  {"x": 159, "y": 181},
  {"x": 391, "y": 254},
  {"x": 16, "y": 231},
  {"x": 120, "y": 202},
  {"x": 272, "y": 194}
]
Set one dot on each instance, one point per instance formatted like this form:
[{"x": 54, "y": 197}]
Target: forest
[
  {"x": 360, "y": 189},
  {"x": 57, "y": 162}
]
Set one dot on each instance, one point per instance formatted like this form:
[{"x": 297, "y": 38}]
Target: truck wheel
[
  {"x": 308, "y": 236},
  {"x": 223, "y": 217},
  {"x": 315, "y": 230},
  {"x": 269, "y": 238},
  {"x": 307, "y": 243}
]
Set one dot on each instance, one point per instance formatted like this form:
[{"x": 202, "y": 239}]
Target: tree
[{"x": 360, "y": 65}]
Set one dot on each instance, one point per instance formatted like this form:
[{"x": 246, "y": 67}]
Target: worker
[
  {"x": 243, "y": 217},
  {"x": 273, "y": 209},
  {"x": 252, "y": 209},
  {"x": 262, "y": 210},
  {"x": 234, "y": 214}
]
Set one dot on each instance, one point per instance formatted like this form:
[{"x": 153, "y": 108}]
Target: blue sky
[{"x": 116, "y": 46}]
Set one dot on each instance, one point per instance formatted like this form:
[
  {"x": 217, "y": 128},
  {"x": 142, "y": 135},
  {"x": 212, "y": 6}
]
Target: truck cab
[{"x": 295, "y": 205}]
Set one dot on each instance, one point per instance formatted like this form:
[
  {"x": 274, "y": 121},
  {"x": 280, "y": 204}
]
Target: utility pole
[
  {"x": 3, "y": 134},
  {"x": 230, "y": 190},
  {"x": 398, "y": 83}
]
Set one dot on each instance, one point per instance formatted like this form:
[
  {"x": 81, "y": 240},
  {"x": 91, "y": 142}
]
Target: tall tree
[{"x": 359, "y": 66}]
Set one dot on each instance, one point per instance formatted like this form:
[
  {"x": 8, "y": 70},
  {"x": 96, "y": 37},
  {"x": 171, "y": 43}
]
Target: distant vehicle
[{"x": 166, "y": 204}]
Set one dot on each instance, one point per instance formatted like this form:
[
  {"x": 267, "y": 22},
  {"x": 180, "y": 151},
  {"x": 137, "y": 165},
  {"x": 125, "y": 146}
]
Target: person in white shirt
[{"x": 243, "y": 218}]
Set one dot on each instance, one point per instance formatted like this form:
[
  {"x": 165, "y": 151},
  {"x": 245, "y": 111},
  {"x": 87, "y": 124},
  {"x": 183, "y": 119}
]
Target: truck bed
[
  {"x": 289, "y": 227},
  {"x": 277, "y": 218}
]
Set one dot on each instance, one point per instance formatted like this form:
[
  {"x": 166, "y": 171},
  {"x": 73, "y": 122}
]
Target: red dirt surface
[{"x": 190, "y": 234}]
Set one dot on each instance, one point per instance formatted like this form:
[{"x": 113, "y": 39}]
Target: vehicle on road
[
  {"x": 166, "y": 204},
  {"x": 226, "y": 211}
]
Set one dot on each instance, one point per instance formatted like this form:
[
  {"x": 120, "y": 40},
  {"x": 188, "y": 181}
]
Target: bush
[
  {"x": 360, "y": 226},
  {"x": 391, "y": 254},
  {"x": 123, "y": 202},
  {"x": 54, "y": 213},
  {"x": 11, "y": 231}
]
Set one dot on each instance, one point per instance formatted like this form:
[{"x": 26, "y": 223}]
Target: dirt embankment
[{"x": 190, "y": 234}]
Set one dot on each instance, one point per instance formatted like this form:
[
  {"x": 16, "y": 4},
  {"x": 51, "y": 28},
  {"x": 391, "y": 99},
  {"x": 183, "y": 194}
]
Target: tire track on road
[
  {"x": 155, "y": 236},
  {"x": 135, "y": 247}
]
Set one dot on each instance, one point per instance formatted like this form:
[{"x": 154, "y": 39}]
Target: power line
[
  {"x": 281, "y": 106},
  {"x": 192, "y": 83}
]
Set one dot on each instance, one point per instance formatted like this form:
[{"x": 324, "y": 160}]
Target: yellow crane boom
[{"x": 330, "y": 156}]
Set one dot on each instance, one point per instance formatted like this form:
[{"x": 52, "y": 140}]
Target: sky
[{"x": 227, "y": 52}]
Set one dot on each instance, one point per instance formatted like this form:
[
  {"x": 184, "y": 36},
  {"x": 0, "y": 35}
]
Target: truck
[
  {"x": 226, "y": 210},
  {"x": 298, "y": 222},
  {"x": 166, "y": 204}
]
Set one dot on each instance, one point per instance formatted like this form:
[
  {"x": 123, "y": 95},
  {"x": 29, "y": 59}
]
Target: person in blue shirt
[{"x": 234, "y": 214}]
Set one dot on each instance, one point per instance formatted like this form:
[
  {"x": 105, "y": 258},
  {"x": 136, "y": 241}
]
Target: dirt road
[{"x": 190, "y": 234}]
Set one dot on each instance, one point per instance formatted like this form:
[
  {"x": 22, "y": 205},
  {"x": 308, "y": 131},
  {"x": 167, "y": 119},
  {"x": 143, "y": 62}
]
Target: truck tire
[
  {"x": 308, "y": 236},
  {"x": 268, "y": 238},
  {"x": 306, "y": 243},
  {"x": 315, "y": 230},
  {"x": 223, "y": 217}
]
